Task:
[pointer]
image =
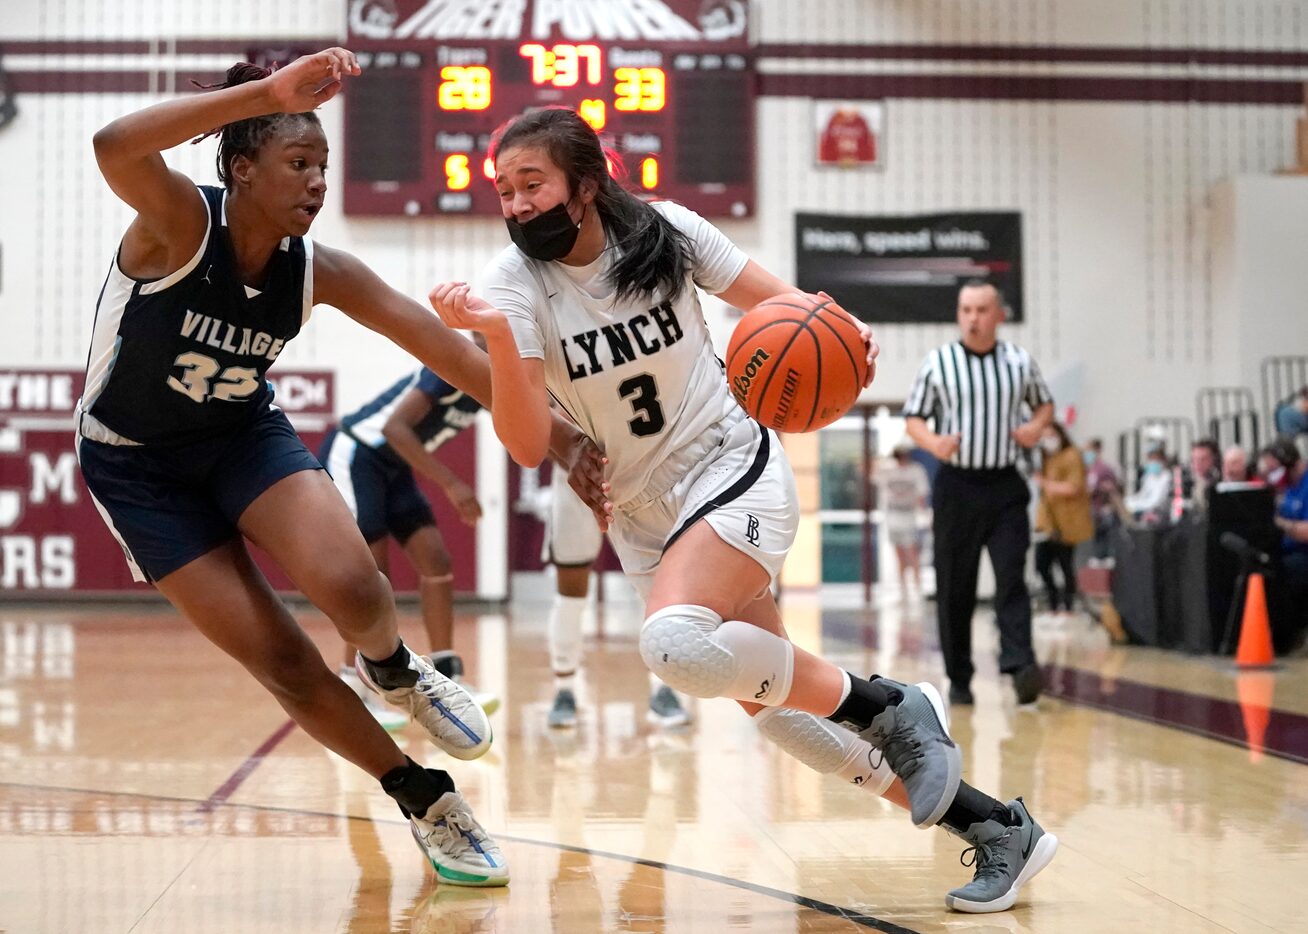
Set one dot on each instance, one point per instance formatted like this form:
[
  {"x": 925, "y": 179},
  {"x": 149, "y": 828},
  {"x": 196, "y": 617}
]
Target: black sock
[
  {"x": 447, "y": 663},
  {"x": 974, "y": 807},
  {"x": 864, "y": 702},
  {"x": 414, "y": 788},
  {"x": 397, "y": 659},
  {"x": 393, "y": 671}
]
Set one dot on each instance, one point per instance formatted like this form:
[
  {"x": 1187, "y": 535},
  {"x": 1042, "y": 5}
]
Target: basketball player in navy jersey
[
  {"x": 372, "y": 456},
  {"x": 594, "y": 304},
  {"x": 186, "y": 456}
]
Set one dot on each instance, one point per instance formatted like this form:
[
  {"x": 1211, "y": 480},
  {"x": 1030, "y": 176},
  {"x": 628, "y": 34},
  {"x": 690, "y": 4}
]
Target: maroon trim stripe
[
  {"x": 1150, "y": 55},
  {"x": 1033, "y": 87},
  {"x": 228, "y": 788},
  {"x": 75, "y": 47},
  {"x": 1145, "y": 55},
  {"x": 853, "y": 87},
  {"x": 88, "y": 82},
  {"x": 1286, "y": 735}
]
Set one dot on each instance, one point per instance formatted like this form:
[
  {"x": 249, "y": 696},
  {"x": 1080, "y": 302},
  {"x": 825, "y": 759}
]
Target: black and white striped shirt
[{"x": 980, "y": 397}]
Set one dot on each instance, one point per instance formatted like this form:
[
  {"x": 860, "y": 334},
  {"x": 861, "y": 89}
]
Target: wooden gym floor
[{"x": 148, "y": 785}]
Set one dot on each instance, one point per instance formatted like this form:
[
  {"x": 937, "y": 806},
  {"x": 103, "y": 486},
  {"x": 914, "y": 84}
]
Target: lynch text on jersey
[
  {"x": 223, "y": 336},
  {"x": 621, "y": 342}
]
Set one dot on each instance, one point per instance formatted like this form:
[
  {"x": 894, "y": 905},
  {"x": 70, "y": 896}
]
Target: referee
[{"x": 976, "y": 389}]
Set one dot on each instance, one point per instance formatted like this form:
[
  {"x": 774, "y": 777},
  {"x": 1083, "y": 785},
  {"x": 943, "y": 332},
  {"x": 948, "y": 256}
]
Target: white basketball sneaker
[
  {"x": 444, "y": 708},
  {"x": 450, "y": 664},
  {"x": 460, "y": 851}
]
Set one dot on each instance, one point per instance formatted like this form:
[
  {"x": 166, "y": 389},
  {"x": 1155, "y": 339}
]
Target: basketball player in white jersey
[
  {"x": 594, "y": 304},
  {"x": 572, "y": 544}
]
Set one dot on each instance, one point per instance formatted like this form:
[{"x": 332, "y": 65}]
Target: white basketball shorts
[
  {"x": 737, "y": 479},
  {"x": 572, "y": 536}
]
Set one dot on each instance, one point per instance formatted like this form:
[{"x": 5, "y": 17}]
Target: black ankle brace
[
  {"x": 866, "y": 699},
  {"x": 414, "y": 788},
  {"x": 973, "y": 807}
]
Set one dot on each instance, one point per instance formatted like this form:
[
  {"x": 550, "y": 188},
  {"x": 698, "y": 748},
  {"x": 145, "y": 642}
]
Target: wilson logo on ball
[
  {"x": 796, "y": 362},
  {"x": 740, "y": 385}
]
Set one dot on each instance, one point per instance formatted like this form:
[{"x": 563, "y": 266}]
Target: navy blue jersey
[
  {"x": 181, "y": 358},
  {"x": 452, "y": 410}
]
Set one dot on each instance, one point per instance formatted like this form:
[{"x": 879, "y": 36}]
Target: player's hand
[
  {"x": 1028, "y": 435},
  {"x": 310, "y": 80},
  {"x": 585, "y": 465},
  {"x": 459, "y": 308},
  {"x": 944, "y": 447},
  {"x": 465, "y": 503},
  {"x": 873, "y": 349}
]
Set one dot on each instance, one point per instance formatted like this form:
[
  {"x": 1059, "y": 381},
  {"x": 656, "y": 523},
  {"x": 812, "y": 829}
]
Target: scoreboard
[{"x": 669, "y": 86}]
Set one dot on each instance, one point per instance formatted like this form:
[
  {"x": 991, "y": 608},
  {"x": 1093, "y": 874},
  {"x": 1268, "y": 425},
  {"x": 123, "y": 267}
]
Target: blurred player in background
[
  {"x": 372, "y": 456},
  {"x": 906, "y": 493},
  {"x": 572, "y": 543}
]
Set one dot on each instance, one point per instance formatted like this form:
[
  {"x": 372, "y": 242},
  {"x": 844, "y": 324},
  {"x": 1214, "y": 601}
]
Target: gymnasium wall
[{"x": 1115, "y": 194}]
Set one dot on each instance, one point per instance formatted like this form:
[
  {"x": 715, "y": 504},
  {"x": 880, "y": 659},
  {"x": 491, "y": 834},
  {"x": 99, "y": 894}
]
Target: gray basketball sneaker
[
  {"x": 460, "y": 851},
  {"x": 913, "y": 737},
  {"x": 563, "y": 712},
  {"x": 666, "y": 710},
  {"x": 444, "y": 708},
  {"x": 1006, "y": 858}
]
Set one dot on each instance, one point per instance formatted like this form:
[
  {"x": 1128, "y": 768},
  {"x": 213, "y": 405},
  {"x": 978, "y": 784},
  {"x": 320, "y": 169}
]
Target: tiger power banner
[{"x": 908, "y": 269}]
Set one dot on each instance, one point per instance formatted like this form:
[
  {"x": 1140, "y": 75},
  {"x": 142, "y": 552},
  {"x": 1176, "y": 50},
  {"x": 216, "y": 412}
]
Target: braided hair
[
  {"x": 653, "y": 254},
  {"x": 246, "y": 137}
]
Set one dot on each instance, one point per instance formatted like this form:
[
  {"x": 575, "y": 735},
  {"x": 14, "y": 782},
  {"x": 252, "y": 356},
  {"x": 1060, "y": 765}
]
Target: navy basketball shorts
[
  {"x": 380, "y": 491},
  {"x": 169, "y": 504}
]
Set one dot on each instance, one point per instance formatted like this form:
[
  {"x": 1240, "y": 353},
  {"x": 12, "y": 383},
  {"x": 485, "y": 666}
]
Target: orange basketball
[{"x": 796, "y": 362}]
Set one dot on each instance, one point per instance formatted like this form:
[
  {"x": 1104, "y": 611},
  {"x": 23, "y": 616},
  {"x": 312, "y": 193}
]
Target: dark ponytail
[
  {"x": 245, "y": 137},
  {"x": 653, "y": 254}
]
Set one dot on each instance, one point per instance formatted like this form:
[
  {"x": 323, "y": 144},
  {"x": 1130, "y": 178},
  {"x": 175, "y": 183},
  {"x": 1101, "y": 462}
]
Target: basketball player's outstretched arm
[
  {"x": 523, "y": 414},
  {"x": 345, "y": 282},
  {"x": 756, "y": 284},
  {"x": 171, "y": 218}
]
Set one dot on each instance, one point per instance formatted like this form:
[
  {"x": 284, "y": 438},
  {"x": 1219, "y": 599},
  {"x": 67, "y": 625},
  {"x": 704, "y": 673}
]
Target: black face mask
[{"x": 548, "y": 236}]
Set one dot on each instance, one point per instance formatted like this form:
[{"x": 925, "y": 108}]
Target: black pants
[
  {"x": 977, "y": 509},
  {"x": 1047, "y": 554},
  {"x": 1290, "y": 612}
]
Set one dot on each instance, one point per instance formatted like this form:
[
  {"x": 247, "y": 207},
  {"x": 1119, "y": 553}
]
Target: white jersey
[{"x": 640, "y": 378}]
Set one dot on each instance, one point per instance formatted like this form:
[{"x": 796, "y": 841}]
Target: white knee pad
[
  {"x": 825, "y": 747},
  {"x": 565, "y": 633},
  {"x": 695, "y": 652}
]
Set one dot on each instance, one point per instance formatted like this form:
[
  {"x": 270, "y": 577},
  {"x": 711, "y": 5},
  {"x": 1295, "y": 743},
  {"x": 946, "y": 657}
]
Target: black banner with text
[{"x": 909, "y": 269}]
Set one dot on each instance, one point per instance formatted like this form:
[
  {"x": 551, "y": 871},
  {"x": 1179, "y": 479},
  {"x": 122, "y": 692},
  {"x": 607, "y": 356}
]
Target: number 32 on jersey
[{"x": 197, "y": 379}]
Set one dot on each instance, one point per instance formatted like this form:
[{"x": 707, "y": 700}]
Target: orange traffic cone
[
  {"x": 1254, "y": 690},
  {"x": 1255, "y": 648}
]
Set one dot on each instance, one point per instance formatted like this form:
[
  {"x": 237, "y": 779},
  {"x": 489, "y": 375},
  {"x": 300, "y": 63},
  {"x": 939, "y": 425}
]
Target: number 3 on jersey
[
  {"x": 644, "y": 395},
  {"x": 196, "y": 382}
]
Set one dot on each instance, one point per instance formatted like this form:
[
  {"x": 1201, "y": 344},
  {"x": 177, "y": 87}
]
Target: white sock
[
  {"x": 825, "y": 747},
  {"x": 565, "y": 632}
]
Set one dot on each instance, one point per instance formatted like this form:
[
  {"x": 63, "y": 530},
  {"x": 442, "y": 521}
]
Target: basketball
[{"x": 796, "y": 362}]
